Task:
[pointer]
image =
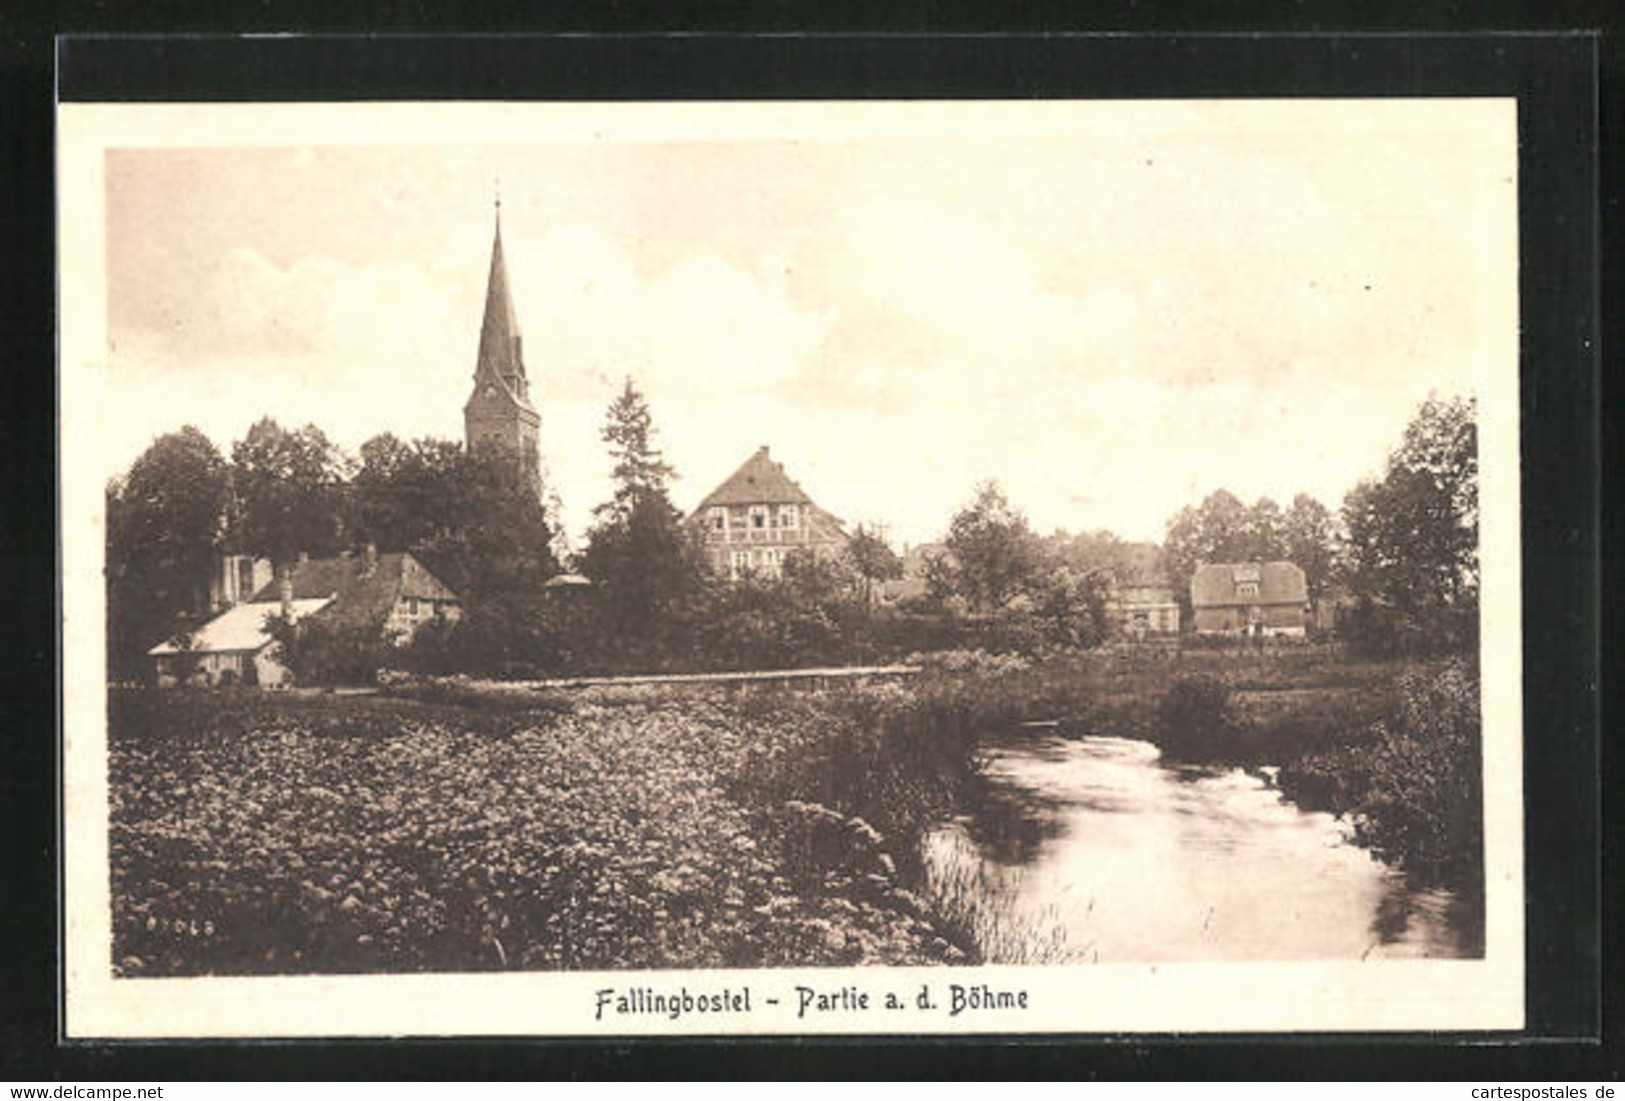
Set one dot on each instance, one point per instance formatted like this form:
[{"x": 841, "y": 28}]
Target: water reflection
[{"x": 1135, "y": 860}]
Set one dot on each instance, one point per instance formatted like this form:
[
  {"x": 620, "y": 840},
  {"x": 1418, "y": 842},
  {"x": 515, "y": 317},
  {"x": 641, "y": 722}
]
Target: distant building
[
  {"x": 759, "y": 515},
  {"x": 235, "y": 647},
  {"x": 498, "y": 412},
  {"x": 1270, "y": 598},
  {"x": 393, "y": 593},
  {"x": 1139, "y": 610}
]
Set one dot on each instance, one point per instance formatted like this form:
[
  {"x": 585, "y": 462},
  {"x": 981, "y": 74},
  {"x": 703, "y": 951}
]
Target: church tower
[{"x": 499, "y": 412}]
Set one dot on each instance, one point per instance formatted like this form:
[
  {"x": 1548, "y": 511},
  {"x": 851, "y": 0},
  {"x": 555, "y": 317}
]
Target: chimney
[
  {"x": 369, "y": 559},
  {"x": 284, "y": 591}
]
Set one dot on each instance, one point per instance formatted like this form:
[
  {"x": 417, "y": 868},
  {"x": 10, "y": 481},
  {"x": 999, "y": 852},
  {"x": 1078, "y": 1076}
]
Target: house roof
[
  {"x": 759, "y": 481},
  {"x": 1214, "y": 585},
  {"x": 240, "y": 628},
  {"x": 359, "y": 595}
]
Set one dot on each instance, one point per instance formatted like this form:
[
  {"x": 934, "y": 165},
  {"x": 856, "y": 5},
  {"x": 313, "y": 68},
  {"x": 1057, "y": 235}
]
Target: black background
[{"x": 1552, "y": 76}]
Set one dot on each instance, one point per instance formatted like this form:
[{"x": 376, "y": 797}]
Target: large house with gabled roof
[
  {"x": 758, "y": 515},
  {"x": 1250, "y": 598}
]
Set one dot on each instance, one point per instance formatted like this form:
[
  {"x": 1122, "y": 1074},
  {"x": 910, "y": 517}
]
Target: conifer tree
[{"x": 638, "y": 552}]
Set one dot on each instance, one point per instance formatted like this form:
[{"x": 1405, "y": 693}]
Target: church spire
[
  {"x": 501, "y": 358},
  {"x": 498, "y": 414}
]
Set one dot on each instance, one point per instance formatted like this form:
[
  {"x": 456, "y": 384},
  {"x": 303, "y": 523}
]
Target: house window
[
  {"x": 737, "y": 561},
  {"x": 758, "y": 516},
  {"x": 719, "y": 519},
  {"x": 412, "y": 605},
  {"x": 789, "y": 516}
]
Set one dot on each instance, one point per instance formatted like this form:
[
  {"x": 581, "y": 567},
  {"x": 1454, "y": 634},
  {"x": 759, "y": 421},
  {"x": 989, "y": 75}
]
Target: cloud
[
  {"x": 380, "y": 316},
  {"x": 1112, "y": 335},
  {"x": 701, "y": 325},
  {"x": 922, "y": 301}
]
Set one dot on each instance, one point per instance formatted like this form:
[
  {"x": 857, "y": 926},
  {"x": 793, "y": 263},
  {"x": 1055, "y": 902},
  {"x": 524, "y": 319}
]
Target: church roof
[
  {"x": 501, "y": 358},
  {"x": 759, "y": 481}
]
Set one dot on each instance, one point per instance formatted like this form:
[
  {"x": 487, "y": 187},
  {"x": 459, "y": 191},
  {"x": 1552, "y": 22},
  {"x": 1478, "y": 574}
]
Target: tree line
[
  {"x": 1403, "y": 546},
  {"x": 1401, "y": 555}
]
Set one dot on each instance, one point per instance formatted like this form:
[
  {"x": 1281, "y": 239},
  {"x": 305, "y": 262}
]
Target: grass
[{"x": 984, "y": 915}]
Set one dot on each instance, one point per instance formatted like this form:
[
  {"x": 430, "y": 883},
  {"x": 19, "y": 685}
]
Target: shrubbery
[
  {"x": 1424, "y": 809},
  {"x": 323, "y": 651},
  {"x": 1379, "y": 631},
  {"x": 1196, "y": 715},
  {"x": 254, "y": 834}
]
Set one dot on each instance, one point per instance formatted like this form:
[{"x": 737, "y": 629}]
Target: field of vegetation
[
  {"x": 258, "y": 833},
  {"x": 464, "y": 825}
]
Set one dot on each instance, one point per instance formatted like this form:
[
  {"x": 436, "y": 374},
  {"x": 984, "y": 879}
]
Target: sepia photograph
[{"x": 841, "y": 567}]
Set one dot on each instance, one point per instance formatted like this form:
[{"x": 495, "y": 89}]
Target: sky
[{"x": 1113, "y": 315}]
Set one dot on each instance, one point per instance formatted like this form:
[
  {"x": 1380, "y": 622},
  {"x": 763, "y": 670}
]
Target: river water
[{"x": 1101, "y": 851}]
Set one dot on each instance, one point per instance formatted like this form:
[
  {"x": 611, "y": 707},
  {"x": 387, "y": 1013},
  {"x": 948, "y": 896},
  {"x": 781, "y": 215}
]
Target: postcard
[{"x": 883, "y": 568}]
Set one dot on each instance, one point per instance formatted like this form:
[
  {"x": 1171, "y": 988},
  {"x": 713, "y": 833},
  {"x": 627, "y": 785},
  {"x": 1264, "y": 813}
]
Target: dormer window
[
  {"x": 1247, "y": 588},
  {"x": 789, "y": 516}
]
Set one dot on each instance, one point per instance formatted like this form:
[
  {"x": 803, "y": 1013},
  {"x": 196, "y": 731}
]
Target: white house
[{"x": 232, "y": 648}]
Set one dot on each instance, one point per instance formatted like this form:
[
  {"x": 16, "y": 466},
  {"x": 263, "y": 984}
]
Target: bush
[
  {"x": 1424, "y": 806},
  {"x": 432, "y": 649},
  {"x": 324, "y": 651},
  {"x": 1014, "y": 630},
  {"x": 1196, "y": 714}
]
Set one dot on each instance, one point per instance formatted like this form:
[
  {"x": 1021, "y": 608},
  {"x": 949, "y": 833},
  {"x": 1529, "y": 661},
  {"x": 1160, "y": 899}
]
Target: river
[{"x": 1097, "y": 850}]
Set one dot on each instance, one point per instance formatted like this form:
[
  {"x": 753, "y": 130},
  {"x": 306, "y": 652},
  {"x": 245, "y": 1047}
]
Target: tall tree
[
  {"x": 640, "y": 470},
  {"x": 1309, "y": 538},
  {"x": 165, "y": 519},
  {"x": 482, "y": 527},
  {"x": 1261, "y": 537},
  {"x": 1413, "y": 535},
  {"x": 406, "y": 494},
  {"x": 996, "y": 553},
  {"x": 290, "y": 492},
  {"x": 638, "y": 551}
]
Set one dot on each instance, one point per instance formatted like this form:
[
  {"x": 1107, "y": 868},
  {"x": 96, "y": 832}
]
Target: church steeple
[
  {"x": 501, "y": 358},
  {"x": 499, "y": 413}
]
